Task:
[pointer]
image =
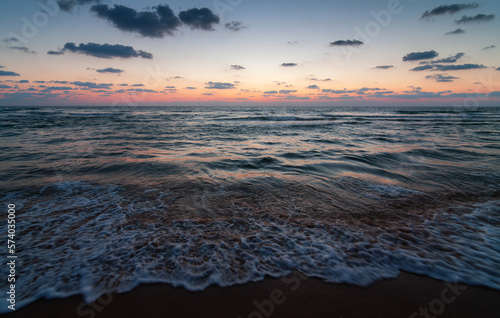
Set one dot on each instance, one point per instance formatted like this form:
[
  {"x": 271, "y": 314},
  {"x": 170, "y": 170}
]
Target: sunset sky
[{"x": 249, "y": 52}]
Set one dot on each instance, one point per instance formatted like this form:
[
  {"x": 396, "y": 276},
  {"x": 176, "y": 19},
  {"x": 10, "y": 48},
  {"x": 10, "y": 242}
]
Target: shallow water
[{"x": 111, "y": 197}]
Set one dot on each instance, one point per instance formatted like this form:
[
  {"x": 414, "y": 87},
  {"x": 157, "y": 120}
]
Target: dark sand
[{"x": 294, "y": 296}]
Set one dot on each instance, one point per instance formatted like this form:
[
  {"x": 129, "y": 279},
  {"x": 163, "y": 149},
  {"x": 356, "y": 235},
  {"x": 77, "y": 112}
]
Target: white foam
[{"x": 88, "y": 239}]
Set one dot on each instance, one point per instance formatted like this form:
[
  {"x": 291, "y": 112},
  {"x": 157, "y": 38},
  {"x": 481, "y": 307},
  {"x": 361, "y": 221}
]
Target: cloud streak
[
  {"x": 235, "y": 26},
  {"x": 288, "y": 64},
  {"x": 415, "y": 56},
  {"x": 202, "y": 19},
  {"x": 479, "y": 18},
  {"x": 219, "y": 85},
  {"x": 69, "y": 5},
  {"x": 110, "y": 70},
  {"x": 442, "y": 78},
  {"x": 457, "y": 31},
  {"x": 105, "y": 51},
  {"x": 449, "y": 9},
  {"x": 8, "y": 73},
  {"x": 346, "y": 43}
]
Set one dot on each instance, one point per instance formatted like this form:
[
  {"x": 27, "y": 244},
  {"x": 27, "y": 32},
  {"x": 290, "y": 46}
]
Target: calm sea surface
[{"x": 111, "y": 197}]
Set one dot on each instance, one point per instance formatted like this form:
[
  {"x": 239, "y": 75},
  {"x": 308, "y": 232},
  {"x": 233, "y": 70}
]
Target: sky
[{"x": 250, "y": 52}]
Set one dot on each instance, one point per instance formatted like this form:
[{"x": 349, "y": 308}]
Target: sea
[{"x": 108, "y": 198}]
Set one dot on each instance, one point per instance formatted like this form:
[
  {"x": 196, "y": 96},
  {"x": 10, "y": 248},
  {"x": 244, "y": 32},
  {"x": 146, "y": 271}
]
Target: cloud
[
  {"x": 313, "y": 87},
  {"x": 105, "y": 51},
  {"x": 69, "y": 5},
  {"x": 288, "y": 64},
  {"x": 450, "y": 9},
  {"x": 55, "y": 52},
  {"x": 191, "y": 87},
  {"x": 498, "y": 68},
  {"x": 219, "y": 85},
  {"x": 91, "y": 85},
  {"x": 287, "y": 91},
  {"x": 1, "y": 66},
  {"x": 237, "y": 67},
  {"x": 479, "y": 18},
  {"x": 384, "y": 67},
  {"x": 8, "y": 73},
  {"x": 422, "y": 68},
  {"x": 293, "y": 97},
  {"x": 5, "y": 86},
  {"x": 235, "y": 26},
  {"x": 320, "y": 80},
  {"x": 11, "y": 39},
  {"x": 56, "y": 88},
  {"x": 270, "y": 92},
  {"x": 202, "y": 19},
  {"x": 489, "y": 47},
  {"x": 457, "y": 31},
  {"x": 137, "y": 85},
  {"x": 109, "y": 70},
  {"x": 450, "y": 59},
  {"x": 23, "y": 81},
  {"x": 415, "y": 56},
  {"x": 158, "y": 23},
  {"x": 22, "y": 49},
  {"x": 346, "y": 43},
  {"x": 441, "y": 78},
  {"x": 458, "y": 67}
]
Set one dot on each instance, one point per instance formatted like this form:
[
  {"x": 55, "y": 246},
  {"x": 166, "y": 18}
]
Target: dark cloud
[
  {"x": 271, "y": 92},
  {"x": 450, "y": 9},
  {"x": 219, "y": 85},
  {"x": 489, "y": 47},
  {"x": 5, "y": 86},
  {"x": 415, "y": 56},
  {"x": 109, "y": 70},
  {"x": 1, "y": 66},
  {"x": 191, "y": 87},
  {"x": 479, "y": 18},
  {"x": 202, "y": 19},
  {"x": 106, "y": 51},
  {"x": 137, "y": 85},
  {"x": 23, "y": 81},
  {"x": 441, "y": 77},
  {"x": 450, "y": 59},
  {"x": 235, "y": 26},
  {"x": 69, "y": 5},
  {"x": 22, "y": 49},
  {"x": 384, "y": 67},
  {"x": 288, "y": 64},
  {"x": 39, "y": 82},
  {"x": 313, "y": 87},
  {"x": 55, "y": 52},
  {"x": 237, "y": 67},
  {"x": 11, "y": 39},
  {"x": 498, "y": 68},
  {"x": 57, "y": 88},
  {"x": 8, "y": 73},
  {"x": 346, "y": 43},
  {"x": 156, "y": 24},
  {"x": 59, "y": 82},
  {"x": 422, "y": 68},
  {"x": 293, "y": 97},
  {"x": 457, "y": 31},
  {"x": 458, "y": 67},
  {"x": 92, "y": 85},
  {"x": 287, "y": 91}
]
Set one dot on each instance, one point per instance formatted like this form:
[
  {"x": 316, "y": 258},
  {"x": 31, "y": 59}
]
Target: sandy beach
[{"x": 291, "y": 296}]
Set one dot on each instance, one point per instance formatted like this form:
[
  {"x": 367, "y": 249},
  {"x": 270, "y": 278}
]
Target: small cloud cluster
[
  {"x": 158, "y": 22},
  {"x": 106, "y": 51},
  {"x": 384, "y": 67},
  {"x": 443, "y": 68},
  {"x": 450, "y": 59},
  {"x": 237, "y": 67},
  {"x": 110, "y": 70},
  {"x": 415, "y": 56},
  {"x": 22, "y": 49},
  {"x": 346, "y": 43},
  {"x": 479, "y": 18},
  {"x": 219, "y": 85},
  {"x": 450, "y": 9},
  {"x": 457, "y": 31},
  {"x": 489, "y": 47},
  {"x": 235, "y": 26},
  {"x": 442, "y": 78},
  {"x": 8, "y": 73},
  {"x": 288, "y": 64},
  {"x": 92, "y": 85}
]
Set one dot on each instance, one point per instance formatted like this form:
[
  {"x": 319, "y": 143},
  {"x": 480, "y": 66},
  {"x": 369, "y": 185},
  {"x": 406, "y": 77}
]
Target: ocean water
[{"x": 108, "y": 198}]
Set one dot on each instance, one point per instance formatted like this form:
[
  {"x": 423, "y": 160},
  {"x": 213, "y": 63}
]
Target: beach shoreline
[{"x": 295, "y": 295}]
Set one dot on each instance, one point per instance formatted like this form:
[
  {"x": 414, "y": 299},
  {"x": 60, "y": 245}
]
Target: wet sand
[{"x": 292, "y": 296}]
